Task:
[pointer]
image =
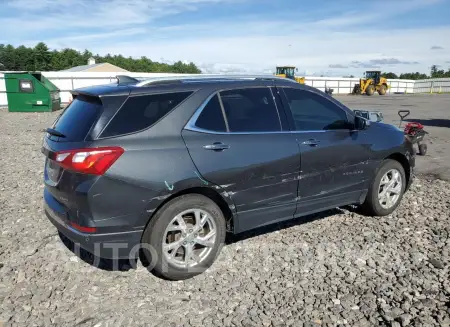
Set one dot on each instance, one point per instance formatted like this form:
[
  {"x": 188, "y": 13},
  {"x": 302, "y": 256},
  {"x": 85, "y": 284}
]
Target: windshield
[
  {"x": 288, "y": 71},
  {"x": 371, "y": 75}
]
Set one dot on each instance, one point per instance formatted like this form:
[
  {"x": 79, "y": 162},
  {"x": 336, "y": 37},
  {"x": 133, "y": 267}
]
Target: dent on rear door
[
  {"x": 258, "y": 172},
  {"x": 336, "y": 171}
]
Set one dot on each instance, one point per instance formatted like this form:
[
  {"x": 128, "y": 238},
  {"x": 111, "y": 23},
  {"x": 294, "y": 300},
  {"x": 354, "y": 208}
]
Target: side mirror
[{"x": 361, "y": 123}]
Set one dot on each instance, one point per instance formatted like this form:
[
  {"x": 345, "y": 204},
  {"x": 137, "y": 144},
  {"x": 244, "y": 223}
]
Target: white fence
[
  {"x": 342, "y": 85},
  {"x": 434, "y": 85},
  {"x": 67, "y": 81}
]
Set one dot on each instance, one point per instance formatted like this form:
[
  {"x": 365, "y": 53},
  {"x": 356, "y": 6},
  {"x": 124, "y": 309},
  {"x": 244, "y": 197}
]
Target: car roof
[{"x": 177, "y": 83}]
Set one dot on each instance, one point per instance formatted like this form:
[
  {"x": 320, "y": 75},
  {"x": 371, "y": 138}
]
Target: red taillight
[
  {"x": 83, "y": 228},
  {"x": 95, "y": 161}
]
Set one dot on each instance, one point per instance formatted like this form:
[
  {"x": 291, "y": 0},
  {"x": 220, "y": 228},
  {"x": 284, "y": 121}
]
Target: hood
[{"x": 388, "y": 126}]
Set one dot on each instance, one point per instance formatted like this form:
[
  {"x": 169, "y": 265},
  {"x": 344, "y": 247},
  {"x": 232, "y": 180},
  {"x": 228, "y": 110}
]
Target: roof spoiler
[{"x": 124, "y": 79}]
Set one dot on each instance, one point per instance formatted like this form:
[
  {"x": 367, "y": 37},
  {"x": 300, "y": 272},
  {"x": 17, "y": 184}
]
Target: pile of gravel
[{"x": 336, "y": 268}]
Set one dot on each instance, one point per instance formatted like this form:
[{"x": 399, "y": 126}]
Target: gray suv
[{"x": 165, "y": 168}]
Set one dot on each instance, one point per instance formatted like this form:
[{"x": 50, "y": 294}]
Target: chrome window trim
[
  {"x": 222, "y": 109},
  {"x": 201, "y": 130},
  {"x": 190, "y": 125},
  {"x": 276, "y": 107}
]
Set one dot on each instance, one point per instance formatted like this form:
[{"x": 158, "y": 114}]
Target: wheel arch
[
  {"x": 226, "y": 206},
  {"x": 401, "y": 158}
]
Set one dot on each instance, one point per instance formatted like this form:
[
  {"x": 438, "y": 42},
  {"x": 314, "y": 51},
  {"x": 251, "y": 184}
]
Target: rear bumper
[{"x": 123, "y": 245}]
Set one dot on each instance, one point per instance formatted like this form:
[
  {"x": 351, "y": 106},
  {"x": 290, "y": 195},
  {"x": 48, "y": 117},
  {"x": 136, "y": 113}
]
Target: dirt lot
[{"x": 336, "y": 268}]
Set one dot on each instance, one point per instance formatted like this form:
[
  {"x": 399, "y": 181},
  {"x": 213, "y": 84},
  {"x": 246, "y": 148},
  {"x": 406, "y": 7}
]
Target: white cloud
[
  {"x": 402, "y": 50},
  {"x": 239, "y": 44},
  {"x": 61, "y": 15}
]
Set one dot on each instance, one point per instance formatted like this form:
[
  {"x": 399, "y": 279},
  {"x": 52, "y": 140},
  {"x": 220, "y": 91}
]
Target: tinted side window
[
  {"x": 313, "y": 112},
  {"x": 140, "y": 112},
  {"x": 211, "y": 117},
  {"x": 250, "y": 110}
]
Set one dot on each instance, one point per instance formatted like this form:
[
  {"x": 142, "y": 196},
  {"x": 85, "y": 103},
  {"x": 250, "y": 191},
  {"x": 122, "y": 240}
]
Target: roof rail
[
  {"x": 124, "y": 79},
  {"x": 200, "y": 78}
]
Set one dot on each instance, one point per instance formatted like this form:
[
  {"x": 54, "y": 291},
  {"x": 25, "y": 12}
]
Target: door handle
[
  {"x": 311, "y": 142},
  {"x": 216, "y": 146}
]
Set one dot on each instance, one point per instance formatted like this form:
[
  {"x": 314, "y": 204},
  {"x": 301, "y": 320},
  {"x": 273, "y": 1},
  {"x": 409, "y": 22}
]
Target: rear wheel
[
  {"x": 382, "y": 90},
  {"x": 184, "y": 237},
  {"x": 386, "y": 190},
  {"x": 357, "y": 89},
  {"x": 370, "y": 90}
]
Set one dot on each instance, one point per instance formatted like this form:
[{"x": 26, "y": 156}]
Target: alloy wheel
[
  {"x": 390, "y": 189},
  {"x": 189, "y": 238}
]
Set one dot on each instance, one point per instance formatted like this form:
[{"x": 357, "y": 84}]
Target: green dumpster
[{"x": 28, "y": 91}]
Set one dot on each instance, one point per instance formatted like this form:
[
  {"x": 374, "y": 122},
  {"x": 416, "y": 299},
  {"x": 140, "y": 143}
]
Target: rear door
[
  {"x": 238, "y": 142},
  {"x": 335, "y": 159}
]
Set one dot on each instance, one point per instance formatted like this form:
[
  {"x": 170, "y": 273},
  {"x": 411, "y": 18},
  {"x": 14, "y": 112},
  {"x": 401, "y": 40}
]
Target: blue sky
[{"x": 330, "y": 37}]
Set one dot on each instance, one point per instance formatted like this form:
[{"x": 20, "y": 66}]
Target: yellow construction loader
[
  {"x": 371, "y": 82},
  {"x": 289, "y": 72}
]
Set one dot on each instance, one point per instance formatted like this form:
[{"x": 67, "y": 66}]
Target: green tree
[
  {"x": 25, "y": 58},
  {"x": 8, "y": 57},
  {"x": 390, "y": 75},
  {"x": 66, "y": 59},
  {"x": 413, "y": 76},
  {"x": 437, "y": 73},
  {"x": 87, "y": 55},
  {"x": 42, "y": 57}
]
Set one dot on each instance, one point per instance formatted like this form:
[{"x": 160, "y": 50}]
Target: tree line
[
  {"x": 41, "y": 58},
  {"x": 434, "y": 73}
]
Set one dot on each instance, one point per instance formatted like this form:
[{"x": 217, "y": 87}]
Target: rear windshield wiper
[{"x": 54, "y": 132}]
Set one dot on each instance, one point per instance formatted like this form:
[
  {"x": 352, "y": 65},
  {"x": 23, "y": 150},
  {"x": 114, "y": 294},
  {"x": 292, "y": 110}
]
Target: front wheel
[
  {"x": 184, "y": 237},
  {"x": 386, "y": 190},
  {"x": 370, "y": 90}
]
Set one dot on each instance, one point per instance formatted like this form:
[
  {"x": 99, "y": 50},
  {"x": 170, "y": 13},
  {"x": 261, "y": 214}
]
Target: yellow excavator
[
  {"x": 371, "y": 82},
  {"x": 289, "y": 72}
]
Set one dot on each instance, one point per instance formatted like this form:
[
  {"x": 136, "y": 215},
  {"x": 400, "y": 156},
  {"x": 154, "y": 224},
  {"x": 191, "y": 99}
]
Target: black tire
[
  {"x": 154, "y": 234},
  {"x": 423, "y": 149},
  {"x": 356, "y": 89},
  {"x": 371, "y": 205},
  {"x": 370, "y": 90},
  {"x": 382, "y": 90}
]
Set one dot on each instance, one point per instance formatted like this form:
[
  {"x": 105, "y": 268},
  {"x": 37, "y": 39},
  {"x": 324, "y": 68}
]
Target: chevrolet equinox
[{"x": 170, "y": 166}]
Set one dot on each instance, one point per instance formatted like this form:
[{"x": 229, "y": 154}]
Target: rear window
[
  {"x": 78, "y": 118},
  {"x": 141, "y": 112},
  {"x": 250, "y": 110},
  {"x": 211, "y": 117}
]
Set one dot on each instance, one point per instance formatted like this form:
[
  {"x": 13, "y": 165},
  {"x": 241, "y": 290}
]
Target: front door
[
  {"x": 335, "y": 159},
  {"x": 237, "y": 143}
]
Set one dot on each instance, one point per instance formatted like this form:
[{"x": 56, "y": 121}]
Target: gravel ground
[{"x": 337, "y": 268}]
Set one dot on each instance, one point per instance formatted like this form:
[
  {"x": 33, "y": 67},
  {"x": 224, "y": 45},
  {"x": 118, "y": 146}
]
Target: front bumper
[
  {"x": 123, "y": 245},
  {"x": 412, "y": 165}
]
